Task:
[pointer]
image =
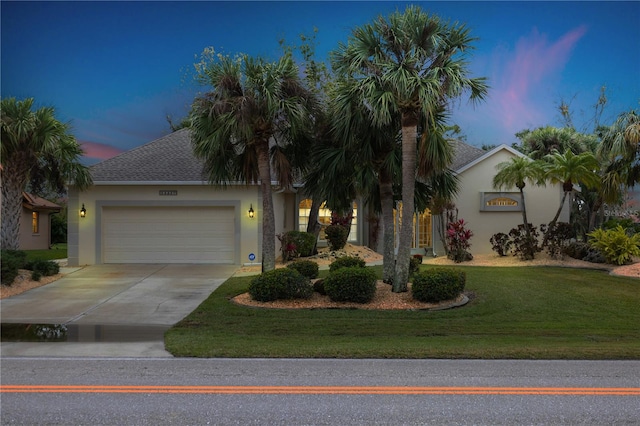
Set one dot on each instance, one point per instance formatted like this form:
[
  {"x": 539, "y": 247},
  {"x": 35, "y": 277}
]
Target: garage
[{"x": 176, "y": 234}]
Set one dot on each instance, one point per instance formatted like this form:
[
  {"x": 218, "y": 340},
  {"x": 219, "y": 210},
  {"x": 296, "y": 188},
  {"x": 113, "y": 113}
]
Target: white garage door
[{"x": 168, "y": 235}]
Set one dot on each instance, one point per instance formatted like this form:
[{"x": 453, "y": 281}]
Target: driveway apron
[{"x": 116, "y": 300}]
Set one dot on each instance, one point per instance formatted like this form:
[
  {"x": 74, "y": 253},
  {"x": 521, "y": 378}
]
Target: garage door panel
[{"x": 169, "y": 235}]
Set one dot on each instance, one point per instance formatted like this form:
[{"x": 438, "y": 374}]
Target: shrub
[
  {"x": 352, "y": 284},
  {"x": 500, "y": 243},
  {"x": 307, "y": 268},
  {"x": 458, "y": 237},
  {"x": 557, "y": 238},
  {"x": 414, "y": 265},
  {"x": 35, "y": 276},
  {"x": 615, "y": 244},
  {"x": 11, "y": 261},
  {"x": 278, "y": 284},
  {"x": 346, "y": 262},
  {"x": 46, "y": 268},
  {"x": 336, "y": 236},
  {"x": 438, "y": 284},
  {"x": 577, "y": 249},
  {"x": 628, "y": 224},
  {"x": 418, "y": 257},
  {"x": 296, "y": 244},
  {"x": 318, "y": 287},
  {"x": 523, "y": 246}
]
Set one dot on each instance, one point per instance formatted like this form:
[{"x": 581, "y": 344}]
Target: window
[
  {"x": 500, "y": 201},
  {"x": 422, "y": 235},
  {"x": 35, "y": 222},
  {"x": 324, "y": 217}
]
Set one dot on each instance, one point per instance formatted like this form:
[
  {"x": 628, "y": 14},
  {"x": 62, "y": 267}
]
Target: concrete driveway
[{"x": 108, "y": 303}]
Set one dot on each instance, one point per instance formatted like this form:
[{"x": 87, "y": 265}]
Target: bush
[
  {"x": 523, "y": 246},
  {"x": 414, "y": 265},
  {"x": 307, "y": 268},
  {"x": 318, "y": 287},
  {"x": 296, "y": 244},
  {"x": 557, "y": 238},
  {"x": 45, "y": 268},
  {"x": 500, "y": 243},
  {"x": 438, "y": 284},
  {"x": 35, "y": 276},
  {"x": 583, "y": 251},
  {"x": 615, "y": 244},
  {"x": 336, "y": 236},
  {"x": 352, "y": 284},
  {"x": 11, "y": 261},
  {"x": 628, "y": 224},
  {"x": 347, "y": 262},
  {"x": 279, "y": 284},
  {"x": 458, "y": 237}
]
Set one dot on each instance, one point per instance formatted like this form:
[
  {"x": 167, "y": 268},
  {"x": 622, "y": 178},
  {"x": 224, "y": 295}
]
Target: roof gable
[
  {"x": 488, "y": 154},
  {"x": 167, "y": 159},
  {"x": 33, "y": 202}
]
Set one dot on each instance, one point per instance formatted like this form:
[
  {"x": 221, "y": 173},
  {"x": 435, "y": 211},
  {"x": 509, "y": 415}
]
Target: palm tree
[
  {"x": 569, "y": 169},
  {"x": 515, "y": 173},
  {"x": 544, "y": 141},
  {"x": 39, "y": 151},
  {"x": 621, "y": 145},
  {"x": 240, "y": 126},
  {"x": 409, "y": 64}
]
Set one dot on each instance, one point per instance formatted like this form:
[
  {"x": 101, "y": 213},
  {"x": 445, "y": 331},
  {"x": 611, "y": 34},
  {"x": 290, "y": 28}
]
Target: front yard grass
[
  {"x": 57, "y": 251},
  {"x": 516, "y": 312}
]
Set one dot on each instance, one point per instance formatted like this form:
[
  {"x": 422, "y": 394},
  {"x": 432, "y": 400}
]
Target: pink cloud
[
  {"x": 99, "y": 151},
  {"x": 533, "y": 65}
]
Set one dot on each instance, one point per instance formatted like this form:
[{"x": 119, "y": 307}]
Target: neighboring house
[
  {"x": 153, "y": 205},
  {"x": 35, "y": 222}
]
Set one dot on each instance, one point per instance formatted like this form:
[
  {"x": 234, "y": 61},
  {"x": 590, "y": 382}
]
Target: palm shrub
[
  {"x": 438, "y": 284},
  {"x": 351, "y": 284},
  {"x": 615, "y": 244},
  {"x": 347, "y": 262},
  {"x": 282, "y": 283},
  {"x": 307, "y": 268}
]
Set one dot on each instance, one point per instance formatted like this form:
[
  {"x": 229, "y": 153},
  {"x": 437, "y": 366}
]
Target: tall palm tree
[
  {"x": 240, "y": 126},
  {"x": 621, "y": 145},
  {"x": 517, "y": 172},
  {"x": 569, "y": 169},
  {"x": 408, "y": 64},
  {"x": 546, "y": 140},
  {"x": 39, "y": 151}
]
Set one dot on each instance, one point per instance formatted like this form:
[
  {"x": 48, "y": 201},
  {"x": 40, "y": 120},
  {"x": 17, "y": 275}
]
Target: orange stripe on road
[{"x": 330, "y": 390}]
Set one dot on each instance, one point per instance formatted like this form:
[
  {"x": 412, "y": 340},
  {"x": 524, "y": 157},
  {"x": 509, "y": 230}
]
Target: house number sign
[{"x": 168, "y": 192}]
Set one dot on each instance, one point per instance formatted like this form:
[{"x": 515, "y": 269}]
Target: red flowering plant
[{"x": 458, "y": 241}]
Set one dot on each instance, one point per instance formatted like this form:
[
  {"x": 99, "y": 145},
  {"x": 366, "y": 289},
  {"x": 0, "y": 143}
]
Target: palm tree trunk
[
  {"x": 268, "y": 218},
  {"x": 313, "y": 226},
  {"x": 12, "y": 186},
  {"x": 386, "y": 201},
  {"x": 554, "y": 220},
  {"x": 409, "y": 134},
  {"x": 594, "y": 214}
]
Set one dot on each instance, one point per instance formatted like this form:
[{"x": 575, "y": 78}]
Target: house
[
  {"x": 35, "y": 222},
  {"x": 152, "y": 204}
]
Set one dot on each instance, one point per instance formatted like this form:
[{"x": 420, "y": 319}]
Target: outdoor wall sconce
[
  {"x": 251, "y": 212},
  {"x": 83, "y": 211}
]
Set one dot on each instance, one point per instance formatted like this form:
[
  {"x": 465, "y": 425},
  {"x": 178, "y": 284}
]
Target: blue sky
[{"x": 114, "y": 70}]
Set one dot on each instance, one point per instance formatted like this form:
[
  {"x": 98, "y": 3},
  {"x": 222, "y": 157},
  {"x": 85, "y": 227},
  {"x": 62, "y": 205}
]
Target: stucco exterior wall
[
  {"x": 541, "y": 204},
  {"x": 29, "y": 240},
  {"x": 85, "y": 233}
]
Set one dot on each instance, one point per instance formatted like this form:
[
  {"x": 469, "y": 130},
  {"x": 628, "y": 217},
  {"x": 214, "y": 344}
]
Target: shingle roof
[
  {"x": 168, "y": 159},
  {"x": 34, "y": 202},
  {"x": 464, "y": 154}
]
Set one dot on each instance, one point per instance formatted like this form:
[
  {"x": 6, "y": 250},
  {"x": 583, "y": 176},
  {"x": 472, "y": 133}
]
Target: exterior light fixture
[
  {"x": 83, "y": 211},
  {"x": 252, "y": 213}
]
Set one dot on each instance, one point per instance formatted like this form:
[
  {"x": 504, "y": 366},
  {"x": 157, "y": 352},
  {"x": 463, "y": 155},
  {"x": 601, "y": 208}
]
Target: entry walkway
[{"x": 136, "y": 296}]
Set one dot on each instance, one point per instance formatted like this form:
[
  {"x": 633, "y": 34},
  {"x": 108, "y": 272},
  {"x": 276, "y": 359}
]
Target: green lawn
[
  {"x": 519, "y": 312},
  {"x": 58, "y": 251}
]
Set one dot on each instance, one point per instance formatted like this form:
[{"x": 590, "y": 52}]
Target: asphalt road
[{"x": 116, "y": 391}]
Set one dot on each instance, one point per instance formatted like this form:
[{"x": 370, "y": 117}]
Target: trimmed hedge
[
  {"x": 347, "y": 262},
  {"x": 438, "y": 284},
  {"x": 351, "y": 284},
  {"x": 336, "y": 236},
  {"x": 283, "y": 283},
  {"x": 308, "y": 268}
]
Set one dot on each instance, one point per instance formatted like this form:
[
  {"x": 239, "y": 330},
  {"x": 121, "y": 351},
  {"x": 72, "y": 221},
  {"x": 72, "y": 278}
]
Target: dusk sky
[{"x": 115, "y": 70}]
